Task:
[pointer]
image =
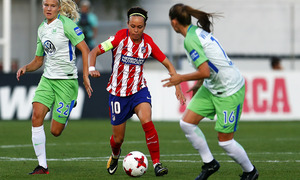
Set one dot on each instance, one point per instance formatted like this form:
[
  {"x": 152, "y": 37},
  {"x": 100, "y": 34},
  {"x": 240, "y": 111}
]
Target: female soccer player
[
  {"x": 221, "y": 94},
  {"x": 127, "y": 86},
  {"x": 58, "y": 87}
]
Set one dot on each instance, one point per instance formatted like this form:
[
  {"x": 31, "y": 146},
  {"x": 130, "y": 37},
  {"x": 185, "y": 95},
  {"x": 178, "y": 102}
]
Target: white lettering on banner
[{"x": 18, "y": 101}]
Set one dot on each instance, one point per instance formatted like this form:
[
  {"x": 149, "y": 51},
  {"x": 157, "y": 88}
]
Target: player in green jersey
[
  {"x": 58, "y": 88},
  {"x": 222, "y": 93}
]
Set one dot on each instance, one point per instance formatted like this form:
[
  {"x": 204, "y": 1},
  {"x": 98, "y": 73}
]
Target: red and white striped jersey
[{"x": 128, "y": 61}]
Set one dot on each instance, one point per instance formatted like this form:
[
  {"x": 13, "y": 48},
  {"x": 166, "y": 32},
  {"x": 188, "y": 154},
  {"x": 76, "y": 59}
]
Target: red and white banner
[{"x": 269, "y": 96}]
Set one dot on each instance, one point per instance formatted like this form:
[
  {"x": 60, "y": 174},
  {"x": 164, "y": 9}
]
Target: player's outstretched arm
[
  {"x": 92, "y": 62},
  {"x": 202, "y": 72},
  {"x": 35, "y": 64},
  {"x": 179, "y": 95},
  {"x": 82, "y": 46}
]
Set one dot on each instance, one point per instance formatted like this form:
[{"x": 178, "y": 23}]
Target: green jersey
[
  {"x": 56, "y": 41},
  {"x": 225, "y": 79}
]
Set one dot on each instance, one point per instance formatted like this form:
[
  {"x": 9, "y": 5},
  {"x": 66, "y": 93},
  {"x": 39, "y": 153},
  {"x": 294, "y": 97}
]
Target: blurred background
[{"x": 252, "y": 32}]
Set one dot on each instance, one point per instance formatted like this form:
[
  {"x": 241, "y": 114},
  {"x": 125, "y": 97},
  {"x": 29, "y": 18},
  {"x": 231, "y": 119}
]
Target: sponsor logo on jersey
[
  {"x": 132, "y": 60},
  {"x": 194, "y": 55},
  {"x": 49, "y": 48},
  {"x": 78, "y": 31}
]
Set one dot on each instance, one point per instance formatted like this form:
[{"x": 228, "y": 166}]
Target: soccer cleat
[
  {"x": 208, "y": 169},
  {"x": 112, "y": 164},
  {"x": 250, "y": 175},
  {"x": 159, "y": 170},
  {"x": 40, "y": 170}
]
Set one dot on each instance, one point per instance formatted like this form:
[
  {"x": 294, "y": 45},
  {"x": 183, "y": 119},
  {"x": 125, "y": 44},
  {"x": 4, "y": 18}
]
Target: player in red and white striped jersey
[
  {"x": 128, "y": 61},
  {"x": 127, "y": 86}
]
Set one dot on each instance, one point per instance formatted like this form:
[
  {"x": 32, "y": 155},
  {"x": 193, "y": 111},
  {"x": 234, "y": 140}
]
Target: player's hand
[
  {"x": 179, "y": 95},
  {"x": 95, "y": 74},
  {"x": 21, "y": 72},
  {"x": 194, "y": 89},
  {"x": 87, "y": 85},
  {"x": 174, "y": 80}
]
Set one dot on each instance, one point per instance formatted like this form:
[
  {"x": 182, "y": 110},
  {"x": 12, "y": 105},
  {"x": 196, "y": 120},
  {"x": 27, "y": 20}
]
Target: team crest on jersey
[
  {"x": 143, "y": 50},
  {"x": 78, "y": 31},
  {"x": 49, "y": 47},
  {"x": 194, "y": 55}
]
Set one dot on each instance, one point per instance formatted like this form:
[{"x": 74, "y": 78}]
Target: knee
[
  {"x": 56, "y": 133},
  {"x": 34, "y": 117},
  {"x": 36, "y": 120},
  {"x": 38, "y": 114}
]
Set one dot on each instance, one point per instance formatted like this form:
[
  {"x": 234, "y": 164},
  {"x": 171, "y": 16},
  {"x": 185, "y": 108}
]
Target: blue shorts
[{"x": 122, "y": 108}]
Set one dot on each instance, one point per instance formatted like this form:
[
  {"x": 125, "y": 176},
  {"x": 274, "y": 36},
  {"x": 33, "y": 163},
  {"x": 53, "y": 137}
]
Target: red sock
[
  {"x": 152, "y": 141},
  {"x": 114, "y": 146}
]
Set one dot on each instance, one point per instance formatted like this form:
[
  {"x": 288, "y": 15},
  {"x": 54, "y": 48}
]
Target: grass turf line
[{"x": 83, "y": 148}]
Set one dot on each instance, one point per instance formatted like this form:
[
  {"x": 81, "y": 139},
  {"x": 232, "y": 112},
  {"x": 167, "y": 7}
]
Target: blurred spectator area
[
  {"x": 250, "y": 31},
  {"x": 14, "y": 65}
]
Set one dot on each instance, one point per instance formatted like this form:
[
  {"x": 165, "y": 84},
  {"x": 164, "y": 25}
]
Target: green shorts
[
  {"x": 59, "y": 93},
  {"x": 228, "y": 109}
]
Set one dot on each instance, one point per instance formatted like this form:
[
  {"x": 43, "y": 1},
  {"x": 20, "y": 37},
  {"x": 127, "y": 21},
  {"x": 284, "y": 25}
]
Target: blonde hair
[{"x": 69, "y": 9}]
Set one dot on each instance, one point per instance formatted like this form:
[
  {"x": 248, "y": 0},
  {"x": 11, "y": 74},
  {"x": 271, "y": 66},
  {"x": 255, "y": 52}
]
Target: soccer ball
[{"x": 135, "y": 164}]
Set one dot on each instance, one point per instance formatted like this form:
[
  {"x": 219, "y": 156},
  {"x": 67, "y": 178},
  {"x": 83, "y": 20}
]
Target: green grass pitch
[{"x": 83, "y": 148}]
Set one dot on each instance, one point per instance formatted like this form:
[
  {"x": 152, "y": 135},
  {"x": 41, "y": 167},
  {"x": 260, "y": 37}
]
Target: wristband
[{"x": 92, "y": 68}]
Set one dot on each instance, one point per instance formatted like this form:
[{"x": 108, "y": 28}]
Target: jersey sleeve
[
  {"x": 195, "y": 50},
  {"x": 39, "y": 46},
  {"x": 156, "y": 52},
  {"x": 72, "y": 31},
  {"x": 113, "y": 41}
]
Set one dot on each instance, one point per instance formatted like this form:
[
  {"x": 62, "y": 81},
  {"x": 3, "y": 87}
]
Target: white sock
[
  {"x": 197, "y": 138},
  {"x": 237, "y": 153},
  {"x": 39, "y": 144}
]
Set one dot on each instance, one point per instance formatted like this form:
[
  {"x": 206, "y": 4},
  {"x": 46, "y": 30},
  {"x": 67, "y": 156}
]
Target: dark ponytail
[{"x": 183, "y": 15}]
